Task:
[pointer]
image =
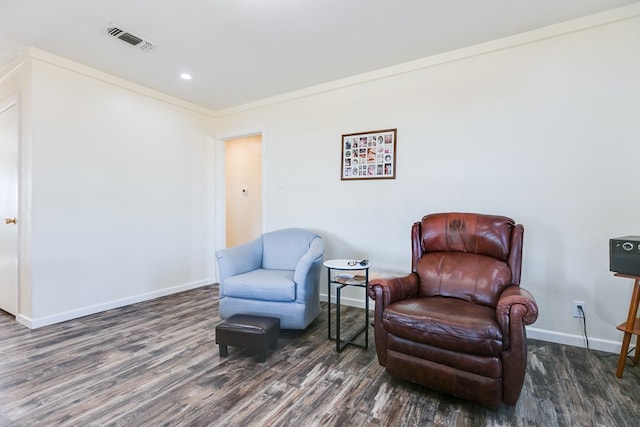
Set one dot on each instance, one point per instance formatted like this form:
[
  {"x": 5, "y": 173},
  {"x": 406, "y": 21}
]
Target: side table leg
[
  {"x": 329, "y": 302},
  {"x": 366, "y": 318},
  {"x": 631, "y": 319},
  {"x": 623, "y": 354},
  {"x": 366, "y": 309},
  {"x": 338, "y": 349}
]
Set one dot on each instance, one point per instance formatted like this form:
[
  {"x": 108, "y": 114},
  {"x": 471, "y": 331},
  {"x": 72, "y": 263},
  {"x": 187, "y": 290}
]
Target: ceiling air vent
[{"x": 126, "y": 36}]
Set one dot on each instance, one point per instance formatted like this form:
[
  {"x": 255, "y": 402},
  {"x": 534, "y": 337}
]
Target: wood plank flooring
[{"x": 156, "y": 364}]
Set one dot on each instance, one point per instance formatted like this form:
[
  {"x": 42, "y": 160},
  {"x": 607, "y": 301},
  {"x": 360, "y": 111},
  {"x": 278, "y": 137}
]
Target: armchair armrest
[
  {"x": 307, "y": 272},
  {"x": 239, "y": 259}
]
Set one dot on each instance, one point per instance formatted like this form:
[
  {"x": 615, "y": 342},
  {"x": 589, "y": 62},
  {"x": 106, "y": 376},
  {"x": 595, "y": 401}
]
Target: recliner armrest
[
  {"x": 387, "y": 291},
  {"x": 515, "y": 295},
  {"x": 515, "y": 309}
]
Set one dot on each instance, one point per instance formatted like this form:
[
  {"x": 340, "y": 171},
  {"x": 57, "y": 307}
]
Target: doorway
[
  {"x": 9, "y": 125},
  {"x": 243, "y": 189}
]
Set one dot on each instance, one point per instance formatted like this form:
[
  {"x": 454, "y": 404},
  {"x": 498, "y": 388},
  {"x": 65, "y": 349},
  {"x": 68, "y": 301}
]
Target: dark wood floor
[{"x": 156, "y": 363}]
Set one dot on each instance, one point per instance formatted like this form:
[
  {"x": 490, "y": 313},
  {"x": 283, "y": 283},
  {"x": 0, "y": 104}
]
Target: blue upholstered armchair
[{"x": 275, "y": 275}]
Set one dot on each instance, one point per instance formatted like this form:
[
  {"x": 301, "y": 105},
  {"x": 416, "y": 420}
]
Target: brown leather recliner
[{"x": 456, "y": 324}]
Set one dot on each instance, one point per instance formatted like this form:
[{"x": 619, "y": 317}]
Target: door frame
[
  {"x": 5, "y": 105},
  {"x": 25, "y": 186},
  {"x": 220, "y": 190}
]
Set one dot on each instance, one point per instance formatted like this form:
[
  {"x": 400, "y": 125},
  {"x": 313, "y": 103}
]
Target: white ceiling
[{"x": 240, "y": 51}]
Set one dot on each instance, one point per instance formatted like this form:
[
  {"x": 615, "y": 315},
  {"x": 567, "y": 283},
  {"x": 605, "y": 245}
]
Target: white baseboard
[
  {"x": 93, "y": 309},
  {"x": 534, "y": 333},
  {"x": 574, "y": 340}
]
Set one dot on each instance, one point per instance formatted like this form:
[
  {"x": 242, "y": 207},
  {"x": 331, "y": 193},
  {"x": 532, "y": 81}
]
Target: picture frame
[{"x": 368, "y": 155}]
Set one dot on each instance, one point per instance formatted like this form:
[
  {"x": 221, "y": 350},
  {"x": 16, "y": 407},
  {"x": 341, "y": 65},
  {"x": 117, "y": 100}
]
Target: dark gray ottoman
[{"x": 249, "y": 331}]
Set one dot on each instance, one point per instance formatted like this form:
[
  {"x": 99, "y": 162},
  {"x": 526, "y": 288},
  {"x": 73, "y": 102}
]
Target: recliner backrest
[
  {"x": 462, "y": 232},
  {"x": 466, "y": 256}
]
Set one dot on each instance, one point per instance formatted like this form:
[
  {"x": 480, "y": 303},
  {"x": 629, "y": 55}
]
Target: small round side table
[{"x": 342, "y": 280}]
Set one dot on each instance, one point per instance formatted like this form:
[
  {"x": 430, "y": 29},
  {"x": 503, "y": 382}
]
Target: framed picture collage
[{"x": 369, "y": 155}]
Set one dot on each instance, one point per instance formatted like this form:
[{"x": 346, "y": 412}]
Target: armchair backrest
[
  {"x": 467, "y": 256},
  {"x": 283, "y": 249}
]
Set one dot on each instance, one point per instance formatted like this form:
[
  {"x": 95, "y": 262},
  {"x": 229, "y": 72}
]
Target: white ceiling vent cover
[{"x": 126, "y": 36}]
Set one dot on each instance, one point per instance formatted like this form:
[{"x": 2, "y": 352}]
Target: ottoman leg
[
  {"x": 223, "y": 350},
  {"x": 263, "y": 354}
]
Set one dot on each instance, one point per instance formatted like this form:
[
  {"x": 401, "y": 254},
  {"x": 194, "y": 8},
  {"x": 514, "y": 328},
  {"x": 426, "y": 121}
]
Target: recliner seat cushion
[
  {"x": 447, "y": 323},
  {"x": 262, "y": 284}
]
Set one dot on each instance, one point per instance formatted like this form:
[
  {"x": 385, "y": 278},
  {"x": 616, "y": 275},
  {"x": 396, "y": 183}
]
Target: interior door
[
  {"x": 9, "y": 207},
  {"x": 243, "y": 189}
]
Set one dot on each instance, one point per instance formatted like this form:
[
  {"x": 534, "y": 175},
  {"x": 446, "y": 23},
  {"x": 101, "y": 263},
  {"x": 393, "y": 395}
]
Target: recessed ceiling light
[{"x": 185, "y": 76}]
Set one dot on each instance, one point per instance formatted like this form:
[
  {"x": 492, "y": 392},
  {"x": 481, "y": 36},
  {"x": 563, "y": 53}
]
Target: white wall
[
  {"x": 540, "y": 127},
  {"x": 122, "y": 194}
]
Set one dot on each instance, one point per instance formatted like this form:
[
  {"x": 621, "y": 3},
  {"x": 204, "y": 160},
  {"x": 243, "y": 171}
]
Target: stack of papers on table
[{"x": 350, "y": 279}]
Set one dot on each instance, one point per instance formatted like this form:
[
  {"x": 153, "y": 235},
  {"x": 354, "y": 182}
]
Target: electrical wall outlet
[{"x": 576, "y": 309}]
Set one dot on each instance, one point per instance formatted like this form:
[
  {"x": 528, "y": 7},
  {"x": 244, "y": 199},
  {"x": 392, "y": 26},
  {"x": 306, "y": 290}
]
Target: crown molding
[
  {"x": 533, "y": 36},
  {"x": 53, "y": 59}
]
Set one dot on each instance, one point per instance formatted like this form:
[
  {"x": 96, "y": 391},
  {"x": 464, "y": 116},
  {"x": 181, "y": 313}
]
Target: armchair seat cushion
[
  {"x": 263, "y": 285},
  {"x": 447, "y": 323}
]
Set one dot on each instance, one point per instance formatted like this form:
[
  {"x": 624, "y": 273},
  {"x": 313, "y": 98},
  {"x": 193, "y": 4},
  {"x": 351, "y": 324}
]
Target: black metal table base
[{"x": 342, "y": 343}]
